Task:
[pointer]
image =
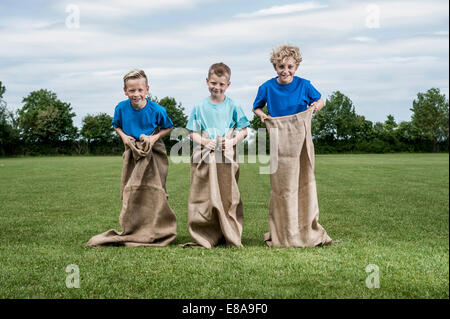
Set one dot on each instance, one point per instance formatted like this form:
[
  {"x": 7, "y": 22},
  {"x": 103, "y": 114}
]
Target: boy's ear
[{"x": 125, "y": 90}]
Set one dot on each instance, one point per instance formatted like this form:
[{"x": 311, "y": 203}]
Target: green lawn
[{"x": 389, "y": 210}]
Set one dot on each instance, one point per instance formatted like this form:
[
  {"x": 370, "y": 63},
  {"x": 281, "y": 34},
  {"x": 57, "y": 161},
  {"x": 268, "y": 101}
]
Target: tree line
[
  {"x": 44, "y": 126},
  {"x": 337, "y": 128}
]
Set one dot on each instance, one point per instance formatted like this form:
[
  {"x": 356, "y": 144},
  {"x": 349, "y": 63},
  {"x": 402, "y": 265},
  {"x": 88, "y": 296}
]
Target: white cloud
[
  {"x": 285, "y": 9},
  {"x": 112, "y": 9},
  {"x": 363, "y": 39},
  {"x": 85, "y": 66}
]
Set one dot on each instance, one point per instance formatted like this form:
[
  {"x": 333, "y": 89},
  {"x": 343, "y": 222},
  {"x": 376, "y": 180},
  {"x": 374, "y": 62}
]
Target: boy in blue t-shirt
[
  {"x": 286, "y": 94},
  {"x": 146, "y": 217},
  {"x": 215, "y": 210},
  {"x": 291, "y": 100},
  {"x": 138, "y": 115}
]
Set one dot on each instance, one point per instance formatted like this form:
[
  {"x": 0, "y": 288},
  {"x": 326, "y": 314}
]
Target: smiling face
[
  {"x": 137, "y": 91},
  {"x": 286, "y": 70},
  {"x": 217, "y": 85}
]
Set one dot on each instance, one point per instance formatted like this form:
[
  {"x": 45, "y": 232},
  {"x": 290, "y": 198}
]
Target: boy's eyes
[{"x": 281, "y": 66}]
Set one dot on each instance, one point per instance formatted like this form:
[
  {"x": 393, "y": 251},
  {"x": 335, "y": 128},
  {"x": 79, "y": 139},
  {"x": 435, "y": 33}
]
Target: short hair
[
  {"x": 285, "y": 51},
  {"x": 219, "y": 69},
  {"x": 134, "y": 74}
]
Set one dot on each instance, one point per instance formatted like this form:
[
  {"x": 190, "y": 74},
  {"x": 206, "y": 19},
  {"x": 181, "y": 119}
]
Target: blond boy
[
  {"x": 291, "y": 101},
  {"x": 146, "y": 217}
]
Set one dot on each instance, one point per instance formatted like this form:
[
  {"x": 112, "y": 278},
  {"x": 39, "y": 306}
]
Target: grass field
[{"x": 388, "y": 210}]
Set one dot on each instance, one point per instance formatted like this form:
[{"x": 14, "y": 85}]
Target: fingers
[
  {"x": 153, "y": 140},
  {"x": 228, "y": 143},
  {"x": 211, "y": 144},
  {"x": 315, "y": 107},
  {"x": 129, "y": 139}
]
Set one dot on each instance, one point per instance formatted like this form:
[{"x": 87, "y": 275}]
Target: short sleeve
[
  {"x": 239, "y": 118},
  {"x": 313, "y": 94},
  {"x": 117, "y": 119},
  {"x": 164, "y": 120},
  {"x": 261, "y": 98},
  {"x": 194, "y": 121}
]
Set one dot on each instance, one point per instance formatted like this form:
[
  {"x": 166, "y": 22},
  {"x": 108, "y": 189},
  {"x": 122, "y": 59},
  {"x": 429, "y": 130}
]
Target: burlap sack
[
  {"x": 146, "y": 218},
  {"x": 293, "y": 207},
  {"x": 215, "y": 211}
]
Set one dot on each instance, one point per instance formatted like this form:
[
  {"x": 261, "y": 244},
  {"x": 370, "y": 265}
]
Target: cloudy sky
[{"x": 378, "y": 53}]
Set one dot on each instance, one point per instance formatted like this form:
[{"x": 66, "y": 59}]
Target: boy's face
[
  {"x": 137, "y": 90},
  {"x": 217, "y": 85},
  {"x": 286, "y": 70}
]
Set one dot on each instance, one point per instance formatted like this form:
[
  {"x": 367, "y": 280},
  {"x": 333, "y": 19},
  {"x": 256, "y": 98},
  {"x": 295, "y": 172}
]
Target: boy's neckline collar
[
  {"x": 216, "y": 104},
  {"x": 285, "y": 84}
]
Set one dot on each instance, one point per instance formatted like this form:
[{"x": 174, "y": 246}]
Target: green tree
[
  {"x": 386, "y": 133},
  {"x": 98, "y": 128},
  {"x": 430, "y": 116},
  {"x": 408, "y": 136},
  {"x": 337, "y": 121},
  {"x": 364, "y": 129},
  {"x": 98, "y": 135},
  {"x": 2, "y": 90},
  {"x": 175, "y": 111},
  {"x": 44, "y": 118},
  {"x": 9, "y": 135}
]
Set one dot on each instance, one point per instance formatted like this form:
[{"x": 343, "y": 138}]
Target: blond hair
[
  {"x": 285, "y": 51},
  {"x": 219, "y": 69},
  {"x": 134, "y": 74}
]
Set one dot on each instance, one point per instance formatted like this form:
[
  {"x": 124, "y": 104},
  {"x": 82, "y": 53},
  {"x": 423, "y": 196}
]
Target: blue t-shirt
[
  {"x": 143, "y": 121},
  {"x": 217, "y": 119},
  {"x": 286, "y": 99}
]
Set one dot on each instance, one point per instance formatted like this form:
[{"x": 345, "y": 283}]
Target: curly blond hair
[{"x": 285, "y": 51}]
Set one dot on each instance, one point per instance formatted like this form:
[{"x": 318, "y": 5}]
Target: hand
[
  {"x": 263, "y": 116},
  {"x": 208, "y": 143},
  {"x": 127, "y": 138},
  {"x": 316, "y": 107},
  {"x": 153, "y": 139},
  {"x": 228, "y": 143}
]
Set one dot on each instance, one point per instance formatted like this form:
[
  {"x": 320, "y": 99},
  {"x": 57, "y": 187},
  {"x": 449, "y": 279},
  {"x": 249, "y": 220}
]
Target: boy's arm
[
  {"x": 318, "y": 105},
  {"x": 197, "y": 138},
  {"x": 259, "y": 112},
  {"x": 125, "y": 138}
]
